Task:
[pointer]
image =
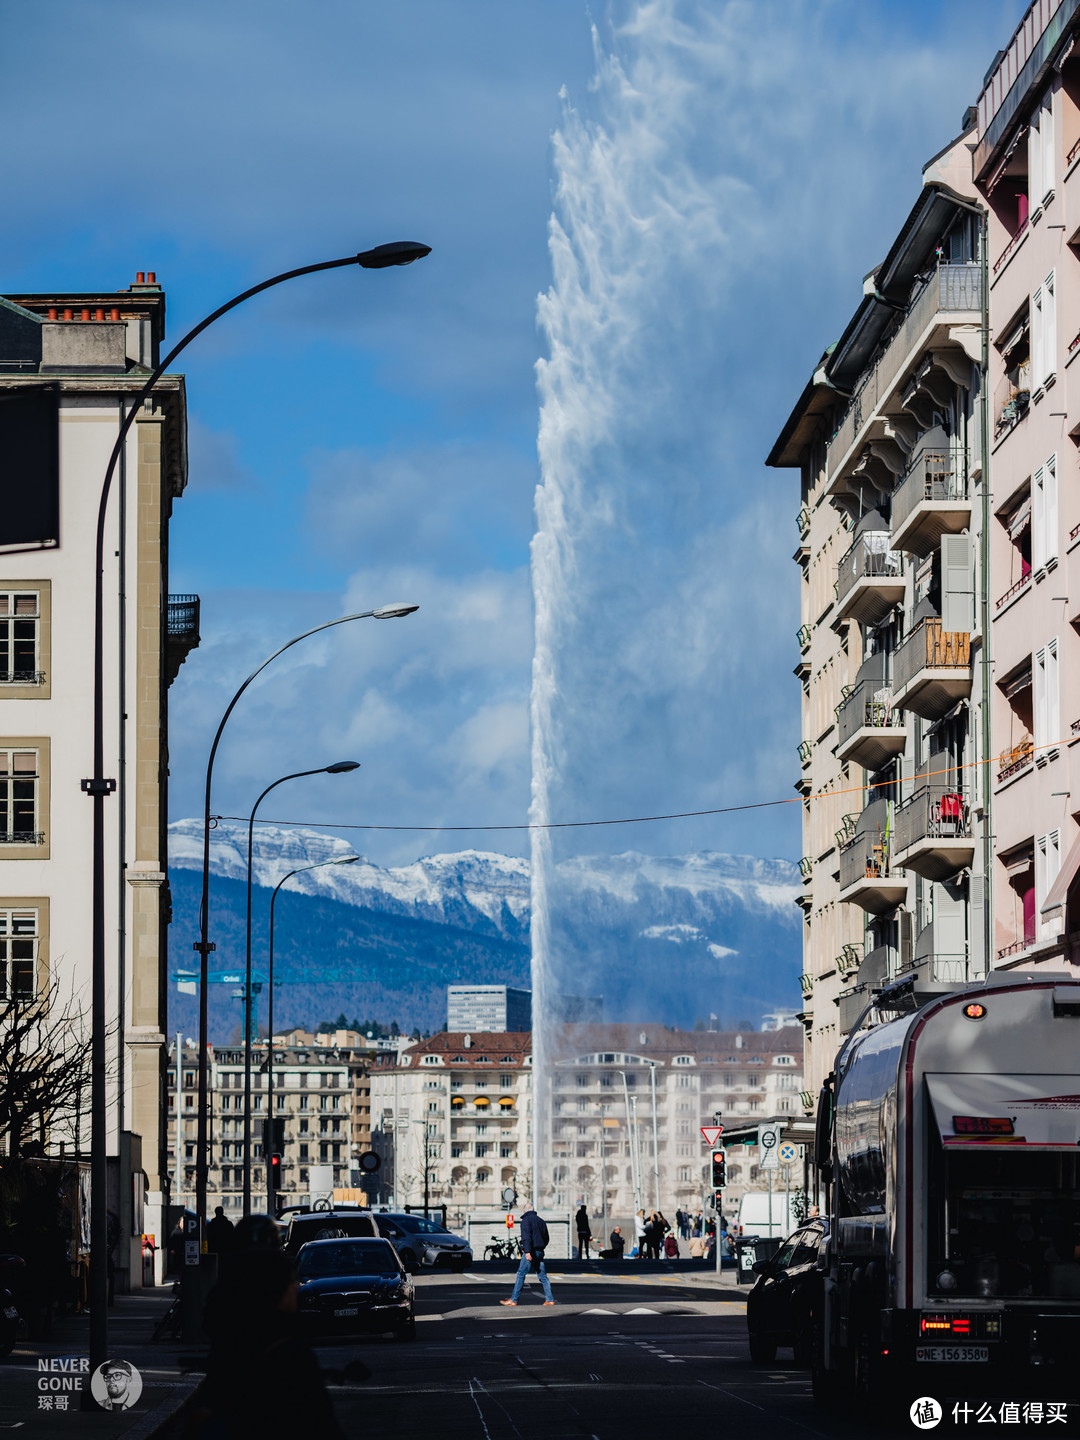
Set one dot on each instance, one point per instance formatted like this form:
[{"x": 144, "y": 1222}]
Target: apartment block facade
[
  {"x": 70, "y": 365},
  {"x": 939, "y": 529},
  {"x": 890, "y": 440},
  {"x": 1026, "y": 165}
]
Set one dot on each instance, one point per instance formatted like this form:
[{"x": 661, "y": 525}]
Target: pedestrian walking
[
  {"x": 534, "y": 1240},
  {"x": 220, "y": 1233},
  {"x": 584, "y": 1233},
  {"x": 262, "y": 1378},
  {"x": 639, "y": 1233}
]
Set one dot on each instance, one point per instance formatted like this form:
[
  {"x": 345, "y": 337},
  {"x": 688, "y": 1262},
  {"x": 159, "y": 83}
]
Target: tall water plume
[{"x": 697, "y": 210}]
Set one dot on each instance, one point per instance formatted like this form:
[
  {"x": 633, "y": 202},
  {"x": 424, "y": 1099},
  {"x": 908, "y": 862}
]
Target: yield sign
[{"x": 712, "y": 1133}]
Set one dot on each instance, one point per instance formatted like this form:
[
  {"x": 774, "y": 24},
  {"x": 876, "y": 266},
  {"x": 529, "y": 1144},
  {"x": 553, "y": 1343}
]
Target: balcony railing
[
  {"x": 803, "y": 635},
  {"x": 1014, "y": 589},
  {"x": 22, "y": 677},
  {"x": 933, "y": 475},
  {"x": 870, "y": 556},
  {"x": 805, "y": 751},
  {"x": 956, "y": 289},
  {"x": 1020, "y": 757},
  {"x": 184, "y": 617},
  {"x": 930, "y": 647},
  {"x": 931, "y": 815},
  {"x": 866, "y": 857},
  {"x": 806, "y": 867},
  {"x": 1011, "y": 246},
  {"x": 803, "y": 521},
  {"x": 869, "y": 704},
  {"x": 22, "y": 837}
]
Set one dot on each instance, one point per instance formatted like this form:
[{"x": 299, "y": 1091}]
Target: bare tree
[{"x": 44, "y": 1068}]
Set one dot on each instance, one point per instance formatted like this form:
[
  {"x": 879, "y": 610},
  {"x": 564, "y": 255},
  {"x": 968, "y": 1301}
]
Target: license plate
[
  {"x": 340, "y": 1314},
  {"x": 953, "y": 1354},
  {"x": 11, "y": 1313}
]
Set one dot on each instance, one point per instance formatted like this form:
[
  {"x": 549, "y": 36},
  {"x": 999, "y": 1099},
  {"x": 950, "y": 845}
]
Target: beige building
[
  {"x": 627, "y": 1103},
  {"x": 457, "y": 1108},
  {"x": 1026, "y": 154},
  {"x": 69, "y": 364},
  {"x": 889, "y": 437}
]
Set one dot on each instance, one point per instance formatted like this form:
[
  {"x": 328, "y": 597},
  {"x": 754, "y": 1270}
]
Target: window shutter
[
  {"x": 1050, "y": 515},
  {"x": 1046, "y": 135},
  {"x": 1052, "y": 719},
  {"x": 1049, "y": 328},
  {"x": 1035, "y": 190},
  {"x": 1039, "y": 676},
  {"x": 957, "y": 594}
]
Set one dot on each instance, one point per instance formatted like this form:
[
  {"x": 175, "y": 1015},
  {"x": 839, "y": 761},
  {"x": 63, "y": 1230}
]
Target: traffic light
[
  {"x": 275, "y": 1173},
  {"x": 273, "y": 1142},
  {"x": 718, "y": 1176}
]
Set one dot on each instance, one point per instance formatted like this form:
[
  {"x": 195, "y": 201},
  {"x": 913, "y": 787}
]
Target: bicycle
[
  {"x": 170, "y": 1323},
  {"x": 508, "y": 1249}
]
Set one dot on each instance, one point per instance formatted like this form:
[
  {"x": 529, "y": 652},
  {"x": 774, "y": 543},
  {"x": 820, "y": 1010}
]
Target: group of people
[{"x": 654, "y": 1236}]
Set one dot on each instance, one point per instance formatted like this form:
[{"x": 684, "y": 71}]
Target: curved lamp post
[
  {"x": 338, "y": 860},
  {"x": 402, "y": 252},
  {"x": 340, "y": 767},
  {"x": 203, "y": 945}
]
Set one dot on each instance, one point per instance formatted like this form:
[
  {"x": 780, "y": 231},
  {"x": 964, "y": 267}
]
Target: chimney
[{"x": 140, "y": 277}]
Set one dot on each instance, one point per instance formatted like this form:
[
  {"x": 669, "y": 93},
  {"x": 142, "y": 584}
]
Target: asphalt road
[{"x": 615, "y": 1359}]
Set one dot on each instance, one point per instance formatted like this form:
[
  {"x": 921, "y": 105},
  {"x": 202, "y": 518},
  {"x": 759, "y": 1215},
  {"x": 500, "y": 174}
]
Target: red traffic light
[{"x": 718, "y": 1168}]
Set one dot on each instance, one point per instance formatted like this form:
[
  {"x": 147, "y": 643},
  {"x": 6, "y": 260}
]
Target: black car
[
  {"x": 420, "y": 1241},
  {"x": 780, "y": 1307},
  {"x": 355, "y": 1285},
  {"x": 308, "y": 1225}
]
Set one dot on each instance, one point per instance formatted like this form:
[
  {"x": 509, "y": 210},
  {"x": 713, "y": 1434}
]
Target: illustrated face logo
[{"x": 116, "y": 1385}]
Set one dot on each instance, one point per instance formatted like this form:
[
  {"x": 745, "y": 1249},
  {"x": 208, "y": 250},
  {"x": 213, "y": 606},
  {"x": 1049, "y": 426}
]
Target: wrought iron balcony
[
  {"x": 22, "y": 837},
  {"x": 22, "y": 677},
  {"x": 933, "y": 834},
  {"x": 869, "y": 579},
  {"x": 932, "y": 670},
  {"x": 182, "y": 632},
  {"x": 869, "y": 726},
  {"x": 932, "y": 500}
]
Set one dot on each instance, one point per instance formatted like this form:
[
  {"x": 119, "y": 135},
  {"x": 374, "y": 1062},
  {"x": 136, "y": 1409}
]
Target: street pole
[
  {"x": 339, "y": 768},
  {"x": 99, "y": 785},
  {"x": 655, "y": 1137},
  {"x": 179, "y": 1167},
  {"x": 271, "y": 1198}
]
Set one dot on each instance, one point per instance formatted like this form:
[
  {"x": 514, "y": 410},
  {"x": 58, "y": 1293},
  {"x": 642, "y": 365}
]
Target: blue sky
[{"x": 361, "y": 437}]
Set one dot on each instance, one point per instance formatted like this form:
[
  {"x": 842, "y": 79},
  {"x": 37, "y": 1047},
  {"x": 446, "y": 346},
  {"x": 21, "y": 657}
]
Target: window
[
  {"x": 684, "y": 1174},
  {"x": 684, "y": 1082},
  {"x": 1043, "y": 333},
  {"x": 506, "y": 1082},
  {"x": 1044, "y": 516},
  {"x": 1041, "y": 153},
  {"x": 431, "y": 1059},
  {"x": 303, "y": 1150},
  {"x": 433, "y": 1107},
  {"x": 683, "y": 1060},
  {"x": 583, "y": 1079},
  {"x": 1046, "y": 695},
  {"x": 19, "y": 638},
  {"x": 18, "y": 952},
  {"x": 1047, "y": 865},
  {"x": 506, "y": 1152},
  {"x": 784, "y": 1060},
  {"x": 481, "y": 1149},
  {"x": 19, "y": 798},
  {"x": 456, "y": 1152}
]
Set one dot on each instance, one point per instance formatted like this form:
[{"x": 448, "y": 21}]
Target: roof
[
  {"x": 658, "y": 1042},
  {"x": 490, "y": 1044}
]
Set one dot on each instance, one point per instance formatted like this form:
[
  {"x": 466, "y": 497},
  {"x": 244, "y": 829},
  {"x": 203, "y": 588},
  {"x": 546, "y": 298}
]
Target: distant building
[
  {"x": 601, "y": 1087},
  {"x": 486, "y": 1009},
  {"x": 459, "y": 1107},
  {"x": 577, "y": 1009},
  {"x": 780, "y": 1020}
]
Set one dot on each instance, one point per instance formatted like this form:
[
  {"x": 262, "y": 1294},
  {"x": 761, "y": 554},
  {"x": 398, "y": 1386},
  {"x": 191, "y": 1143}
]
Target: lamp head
[
  {"x": 392, "y": 612},
  {"x": 341, "y": 766},
  {"x": 398, "y": 252},
  {"x": 345, "y": 860}
]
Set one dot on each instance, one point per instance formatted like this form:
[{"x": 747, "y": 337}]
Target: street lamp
[
  {"x": 402, "y": 252},
  {"x": 338, "y": 860},
  {"x": 203, "y": 945},
  {"x": 340, "y": 767}
]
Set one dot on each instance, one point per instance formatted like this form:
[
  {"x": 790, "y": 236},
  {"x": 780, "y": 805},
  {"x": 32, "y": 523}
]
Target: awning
[
  {"x": 1059, "y": 890},
  {"x": 985, "y": 1112},
  {"x": 506, "y": 1103},
  {"x": 481, "y": 1102},
  {"x": 1021, "y": 519},
  {"x": 457, "y": 1102}
]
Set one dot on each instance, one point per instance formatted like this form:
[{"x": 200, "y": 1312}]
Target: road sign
[
  {"x": 712, "y": 1133},
  {"x": 769, "y": 1140},
  {"x": 788, "y": 1153}
]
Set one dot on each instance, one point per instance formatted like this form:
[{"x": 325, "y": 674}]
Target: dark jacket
[
  {"x": 532, "y": 1233},
  {"x": 581, "y": 1219}
]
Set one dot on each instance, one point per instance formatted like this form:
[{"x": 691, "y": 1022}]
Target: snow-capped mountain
[{"x": 669, "y": 939}]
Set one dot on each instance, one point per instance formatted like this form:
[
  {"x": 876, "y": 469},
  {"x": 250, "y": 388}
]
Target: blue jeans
[{"x": 523, "y": 1270}]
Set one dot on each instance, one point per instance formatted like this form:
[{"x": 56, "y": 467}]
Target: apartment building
[
  {"x": 312, "y": 1101},
  {"x": 487, "y": 1008},
  {"x": 457, "y": 1108},
  {"x": 890, "y": 438},
  {"x": 69, "y": 365},
  {"x": 627, "y": 1102},
  {"x": 1026, "y": 160}
]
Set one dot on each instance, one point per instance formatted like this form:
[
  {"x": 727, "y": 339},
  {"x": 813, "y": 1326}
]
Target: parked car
[
  {"x": 420, "y": 1241},
  {"x": 307, "y": 1225},
  {"x": 355, "y": 1284},
  {"x": 780, "y": 1307}
]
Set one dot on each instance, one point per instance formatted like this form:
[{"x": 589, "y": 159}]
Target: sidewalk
[{"x": 131, "y": 1322}]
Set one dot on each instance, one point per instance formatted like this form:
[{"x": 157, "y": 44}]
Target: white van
[{"x": 757, "y": 1218}]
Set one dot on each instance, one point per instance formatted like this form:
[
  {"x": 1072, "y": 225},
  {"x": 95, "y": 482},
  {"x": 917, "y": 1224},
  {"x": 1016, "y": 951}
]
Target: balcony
[
  {"x": 182, "y": 634},
  {"x": 951, "y": 297},
  {"x": 868, "y": 726},
  {"x": 866, "y": 875},
  {"x": 933, "y": 834},
  {"x": 932, "y": 670},
  {"x": 869, "y": 579},
  {"x": 932, "y": 500}
]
